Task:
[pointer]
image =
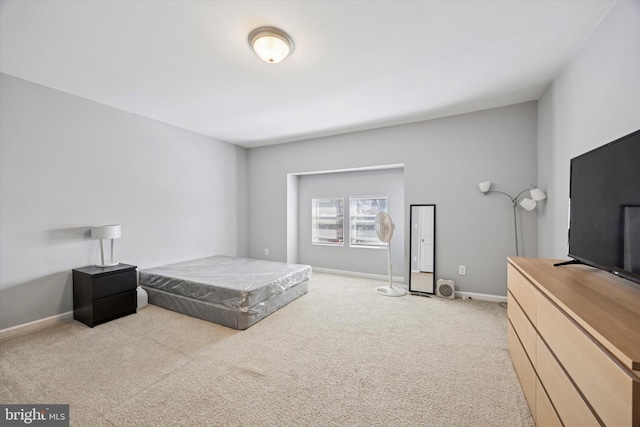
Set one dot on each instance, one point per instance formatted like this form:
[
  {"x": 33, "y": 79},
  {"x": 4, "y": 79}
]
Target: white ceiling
[{"x": 356, "y": 64}]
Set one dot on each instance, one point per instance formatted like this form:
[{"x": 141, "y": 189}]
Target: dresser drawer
[
  {"x": 545, "y": 413},
  {"x": 571, "y": 407},
  {"x": 523, "y": 291},
  {"x": 606, "y": 386},
  {"x": 524, "y": 369},
  {"x": 523, "y": 328},
  {"x": 110, "y": 308}
]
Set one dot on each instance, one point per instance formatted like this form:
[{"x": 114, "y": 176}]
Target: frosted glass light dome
[{"x": 271, "y": 44}]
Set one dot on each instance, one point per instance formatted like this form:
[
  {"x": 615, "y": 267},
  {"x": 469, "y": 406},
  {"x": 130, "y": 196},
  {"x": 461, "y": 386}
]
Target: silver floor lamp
[{"x": 528, "y": 203}]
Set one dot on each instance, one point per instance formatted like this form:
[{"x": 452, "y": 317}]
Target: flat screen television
[{"x": 604, "y": 212}]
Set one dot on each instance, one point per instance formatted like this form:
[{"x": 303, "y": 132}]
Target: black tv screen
[{"x": 604, "y": 224}]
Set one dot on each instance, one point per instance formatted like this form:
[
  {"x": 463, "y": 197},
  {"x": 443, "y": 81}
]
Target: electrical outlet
[
  {"x": 462, "y": 270},
  {"x": 266, "y": 251},
  {"x": 415, "y": 259}
]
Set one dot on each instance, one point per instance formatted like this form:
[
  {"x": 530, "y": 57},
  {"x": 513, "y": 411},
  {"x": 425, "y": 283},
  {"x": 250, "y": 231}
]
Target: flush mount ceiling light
[{"x": 271, "y": 44}]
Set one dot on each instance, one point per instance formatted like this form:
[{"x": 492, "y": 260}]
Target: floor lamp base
[{"x": 391, "y": 292}]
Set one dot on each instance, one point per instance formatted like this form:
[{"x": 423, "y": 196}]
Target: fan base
[{"x": 390, "y": 292}]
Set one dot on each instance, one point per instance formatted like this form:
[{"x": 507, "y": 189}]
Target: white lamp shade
[
  {"x": 271, "y": 44},
  {"x": 528, "y": 204},
  {"x": 106, "y": 232},
  {"x": 485, "y": 186},
  {"x": 537, "y": 194}
]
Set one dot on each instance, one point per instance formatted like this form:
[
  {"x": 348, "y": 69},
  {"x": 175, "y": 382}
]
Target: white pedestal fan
[{"x": 384, "y": 230}]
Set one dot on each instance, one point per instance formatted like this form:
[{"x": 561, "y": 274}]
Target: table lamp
[{"x": 104, "y": 232}]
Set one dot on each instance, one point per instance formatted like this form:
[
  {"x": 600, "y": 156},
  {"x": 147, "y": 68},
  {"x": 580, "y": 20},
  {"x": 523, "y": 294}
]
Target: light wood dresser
[{"x": 574, "y": 340}]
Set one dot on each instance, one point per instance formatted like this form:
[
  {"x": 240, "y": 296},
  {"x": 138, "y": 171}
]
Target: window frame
[
  {"x": 365, "y": 220},
  {"x": 339, "y": 221}
]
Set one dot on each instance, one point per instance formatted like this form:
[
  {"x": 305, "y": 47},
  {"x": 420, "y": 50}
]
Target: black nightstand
[{"x": 101, "y": 294}]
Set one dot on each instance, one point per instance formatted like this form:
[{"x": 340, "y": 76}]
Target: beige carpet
[{"x": 341, "y": 355}]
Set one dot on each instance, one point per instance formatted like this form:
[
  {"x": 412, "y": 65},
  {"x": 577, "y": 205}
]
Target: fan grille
[
  {"x": 445, "y": 290},
  {"x": 384, "y": 226}
]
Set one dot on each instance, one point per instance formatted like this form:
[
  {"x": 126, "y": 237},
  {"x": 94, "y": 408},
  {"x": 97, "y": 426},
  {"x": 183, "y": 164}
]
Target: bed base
[{"x": 236, "y": 318}]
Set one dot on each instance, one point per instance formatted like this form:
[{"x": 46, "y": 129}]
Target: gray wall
[
  {"x": 444, "y": 160},
  {"x": 388, "y": 182},
  {"x": 68, "y": 163},
  {"x": 595, "y": 100}
]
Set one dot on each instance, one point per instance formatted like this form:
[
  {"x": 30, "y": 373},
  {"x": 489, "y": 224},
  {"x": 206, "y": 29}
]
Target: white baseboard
[
  {"x": 397, "y": 279},
  {"x": 36, "y": 325},
  {"x": 461, "y": 295},
  {"x": 481, "y": 297}
]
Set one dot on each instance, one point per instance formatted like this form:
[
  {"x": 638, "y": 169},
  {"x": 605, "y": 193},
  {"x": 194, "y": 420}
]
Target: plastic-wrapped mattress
[{"x": 235, "y": 292}]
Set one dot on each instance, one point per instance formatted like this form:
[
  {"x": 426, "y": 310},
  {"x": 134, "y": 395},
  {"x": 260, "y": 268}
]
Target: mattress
[{"x": 232, "y": 291}]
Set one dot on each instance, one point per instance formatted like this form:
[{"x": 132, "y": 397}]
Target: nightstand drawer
[
  {"x": 110, "y": 308},
  {"x": 105, "y": 286}
]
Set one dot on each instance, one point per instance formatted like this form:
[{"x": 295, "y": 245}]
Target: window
[
  {"x": 327, "y": 221},
  {"x": 362, "y": 220}
]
